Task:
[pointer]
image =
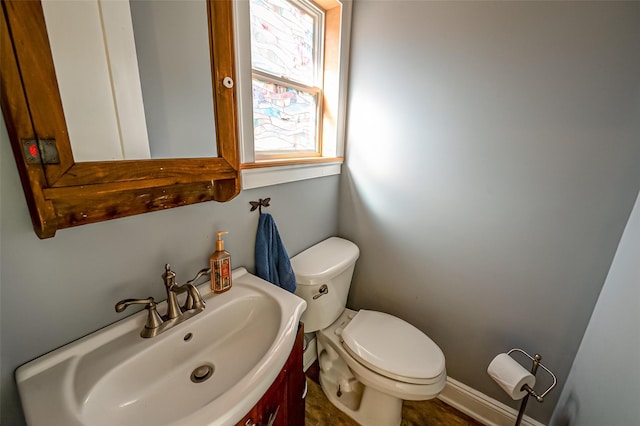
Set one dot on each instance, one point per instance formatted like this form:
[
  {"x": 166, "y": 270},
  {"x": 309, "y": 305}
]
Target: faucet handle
[
  {"x": 194, "y": 298},
  {"x": 122, "y": 305},
  {"x": 201, "y": 273},
  {"x": 153, "y": 319}
]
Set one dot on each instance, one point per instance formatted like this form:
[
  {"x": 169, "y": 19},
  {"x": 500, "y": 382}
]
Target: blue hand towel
[{"x": 272, "y": 260}]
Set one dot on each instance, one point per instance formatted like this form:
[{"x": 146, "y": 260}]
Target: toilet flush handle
[{"x": 321, "y": 291}]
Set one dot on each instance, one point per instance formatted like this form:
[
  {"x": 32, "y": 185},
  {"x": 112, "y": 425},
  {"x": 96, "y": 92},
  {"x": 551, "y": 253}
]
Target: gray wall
[
  {"x": 57, "y": 290},
  {"x": 172, "y": 44},
  {"x": 493, "y": 160},
  {"x": 604, "y": 382}
]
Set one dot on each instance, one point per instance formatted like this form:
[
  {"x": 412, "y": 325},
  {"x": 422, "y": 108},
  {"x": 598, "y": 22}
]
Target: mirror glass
[{"x": 134, "y": 77}]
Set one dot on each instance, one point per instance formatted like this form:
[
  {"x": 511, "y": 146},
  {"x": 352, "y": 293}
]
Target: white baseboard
[{"x": 480, "y": 407}]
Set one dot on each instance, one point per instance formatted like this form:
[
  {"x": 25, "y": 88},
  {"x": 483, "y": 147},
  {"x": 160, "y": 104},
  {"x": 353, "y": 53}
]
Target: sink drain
[{"x": 202, "y": 373}]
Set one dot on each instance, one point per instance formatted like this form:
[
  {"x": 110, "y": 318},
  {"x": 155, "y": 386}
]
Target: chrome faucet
[
  {"x": 194, "y": 304},
  {"x": 153, "y": 319},
  {"x": 194, "y": 299}
]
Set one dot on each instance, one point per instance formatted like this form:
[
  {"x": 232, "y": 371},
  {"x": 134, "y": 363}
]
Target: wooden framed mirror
[{"x": 62, "y": 193}]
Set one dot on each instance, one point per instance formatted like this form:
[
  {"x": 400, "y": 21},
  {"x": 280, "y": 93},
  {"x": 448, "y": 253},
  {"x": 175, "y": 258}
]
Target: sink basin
[{"x": 208, "y": 370}]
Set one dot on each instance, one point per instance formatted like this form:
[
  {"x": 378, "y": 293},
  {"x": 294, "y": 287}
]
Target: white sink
[{"x": 115, "y": 377}]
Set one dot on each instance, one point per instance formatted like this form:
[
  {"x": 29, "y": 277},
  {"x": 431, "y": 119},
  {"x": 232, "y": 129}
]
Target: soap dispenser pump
[{"x": 220, "y": 262}]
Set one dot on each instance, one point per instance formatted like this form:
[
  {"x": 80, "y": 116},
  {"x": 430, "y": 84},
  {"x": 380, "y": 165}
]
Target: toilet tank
[{"x": 329, "y": 263}]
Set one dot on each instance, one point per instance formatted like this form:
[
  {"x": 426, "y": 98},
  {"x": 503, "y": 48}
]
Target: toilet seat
[
  {"x": 333, "y": 357},
  {"x": 393, "y": 348}
]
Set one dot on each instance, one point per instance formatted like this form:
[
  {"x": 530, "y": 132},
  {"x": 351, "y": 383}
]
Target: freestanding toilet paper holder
[{"x": 530, "y": 392}]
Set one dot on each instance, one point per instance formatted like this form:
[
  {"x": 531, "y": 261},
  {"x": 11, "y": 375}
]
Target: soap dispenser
[{"x": 220, "y": 262}]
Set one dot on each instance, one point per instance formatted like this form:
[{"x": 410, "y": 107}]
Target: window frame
[{"x": 262, "y": 172}]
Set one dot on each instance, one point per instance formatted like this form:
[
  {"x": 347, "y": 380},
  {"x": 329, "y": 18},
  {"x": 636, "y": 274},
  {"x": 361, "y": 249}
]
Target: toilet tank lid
[{"x": 324, "y": 260}]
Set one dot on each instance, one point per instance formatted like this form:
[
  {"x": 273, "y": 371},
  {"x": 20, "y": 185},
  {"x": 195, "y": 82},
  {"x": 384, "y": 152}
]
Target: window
[
  {"x": 292, "y": 58},
  {"x": 286, "y": 61}
]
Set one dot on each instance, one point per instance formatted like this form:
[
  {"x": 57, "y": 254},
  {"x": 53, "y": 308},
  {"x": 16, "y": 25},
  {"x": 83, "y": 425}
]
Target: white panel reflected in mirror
[
  {"x": 135, "y": 79},
  {"x": 98, "y": 78}
]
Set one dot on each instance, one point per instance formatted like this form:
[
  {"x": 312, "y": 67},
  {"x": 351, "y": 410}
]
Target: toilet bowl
[{"x": 369, "y": 361}]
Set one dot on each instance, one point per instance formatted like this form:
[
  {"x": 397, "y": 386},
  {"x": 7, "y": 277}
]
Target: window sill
[{"x": 266, "y": 173}]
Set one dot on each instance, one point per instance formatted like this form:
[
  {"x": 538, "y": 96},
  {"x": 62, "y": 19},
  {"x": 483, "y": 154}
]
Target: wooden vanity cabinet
[{"x": 284, "y": 395}]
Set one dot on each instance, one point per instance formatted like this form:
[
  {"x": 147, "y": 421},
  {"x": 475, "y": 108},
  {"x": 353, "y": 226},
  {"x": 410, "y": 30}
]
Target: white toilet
[{"x": 369, "y": 361}]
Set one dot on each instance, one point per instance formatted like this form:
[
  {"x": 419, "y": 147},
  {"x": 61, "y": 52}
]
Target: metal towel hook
[{"x": 259, "y": 204}]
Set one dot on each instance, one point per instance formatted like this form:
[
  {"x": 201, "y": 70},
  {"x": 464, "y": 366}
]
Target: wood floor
[{"x": 320, "y": 412}]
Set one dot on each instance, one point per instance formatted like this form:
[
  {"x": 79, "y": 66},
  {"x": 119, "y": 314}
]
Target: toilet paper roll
[{"x": 510, "y": 375}]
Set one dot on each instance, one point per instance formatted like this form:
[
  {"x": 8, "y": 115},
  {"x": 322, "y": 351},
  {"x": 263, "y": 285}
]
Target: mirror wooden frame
[{"x": 70, "y": 194}]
